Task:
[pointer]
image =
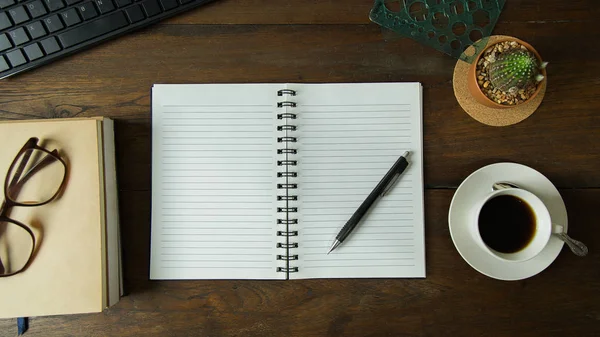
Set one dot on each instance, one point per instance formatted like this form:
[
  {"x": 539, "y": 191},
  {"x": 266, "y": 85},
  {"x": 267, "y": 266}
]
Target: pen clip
[{"x": 390, "y": 185}]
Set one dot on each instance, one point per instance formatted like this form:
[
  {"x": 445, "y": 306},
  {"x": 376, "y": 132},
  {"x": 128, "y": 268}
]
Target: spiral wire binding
[
  {"x": 289, "y": 165},
  {"x": 286, "y": 92}
]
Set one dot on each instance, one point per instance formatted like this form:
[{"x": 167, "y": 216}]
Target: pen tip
[
  {"x": 333, "y": 246},
  {"x": 405, "y": 154}
]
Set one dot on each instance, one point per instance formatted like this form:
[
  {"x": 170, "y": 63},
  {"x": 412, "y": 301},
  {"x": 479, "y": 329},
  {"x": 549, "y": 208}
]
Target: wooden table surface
[{"x": 333, "y": 41}]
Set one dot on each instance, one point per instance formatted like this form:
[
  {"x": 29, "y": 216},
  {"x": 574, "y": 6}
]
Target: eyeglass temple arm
[
  {"x": 12, "y": 186},
  {"x": 16, "y": 183},
  {"x": 19, "y": 171}
]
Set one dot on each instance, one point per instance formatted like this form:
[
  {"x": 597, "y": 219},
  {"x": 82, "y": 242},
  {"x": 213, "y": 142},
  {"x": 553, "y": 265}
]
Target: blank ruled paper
[
  {"x": 213, "y": 182},
  {"x": 349, "y": 136}
]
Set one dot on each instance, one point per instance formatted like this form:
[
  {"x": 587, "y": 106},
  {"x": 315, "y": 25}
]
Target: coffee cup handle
[{"x": 577, "y": 247}]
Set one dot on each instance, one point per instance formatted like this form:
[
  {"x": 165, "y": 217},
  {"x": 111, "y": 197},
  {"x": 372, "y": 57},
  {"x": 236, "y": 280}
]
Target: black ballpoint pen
[{"x": 384, "y": 185}]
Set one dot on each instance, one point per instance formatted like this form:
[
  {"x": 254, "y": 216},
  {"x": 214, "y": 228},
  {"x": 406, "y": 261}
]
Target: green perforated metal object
[{"x": 449, "y": 26}]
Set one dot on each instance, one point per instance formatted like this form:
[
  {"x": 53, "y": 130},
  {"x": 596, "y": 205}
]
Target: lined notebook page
[
  {"x": 349, "y": 136},
  {"x": 213, "y": 182}
]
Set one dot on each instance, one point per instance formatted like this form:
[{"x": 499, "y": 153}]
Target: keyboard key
[
  {"x": 183, "y": 2},
  {"x": 168, "y": 4},
  {"x": 93, "y": 29},
  {"x": 33, "y": 52},
  {"x": 36, "y": 29},
  {"x": 70, "y": 17},
  {"x": 4, "y": 21},
  {"x": 3, "y": 65},
  {"x": 18, "y": 36},
  {"x": 151, "y": 7},
  {"x": 18, "y": 15},
  {"x": 72, "y": 2},
  {"x": 50, "y": 45},
  {"x": 87, "y": 10},
  {"x": 16, "y": 58},
  {"x": 123, "y": 3},
  {"x": 134, "y": 14},
  {"x": 4, "y": 42},
  {"x": 105, "y": 6},
  {"x": 36, "y": 9},
  {"x": 54, "y": 5},
  {"x": 53, "y": 23},
  {"x": 6, "y": 3}
]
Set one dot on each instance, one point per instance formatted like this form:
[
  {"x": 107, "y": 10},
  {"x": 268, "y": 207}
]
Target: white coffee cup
[{"x": 541, "y": 235}]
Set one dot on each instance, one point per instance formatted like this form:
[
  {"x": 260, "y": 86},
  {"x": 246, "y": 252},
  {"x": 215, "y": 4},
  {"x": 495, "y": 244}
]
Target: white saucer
[{"x": 479, "y": 184}]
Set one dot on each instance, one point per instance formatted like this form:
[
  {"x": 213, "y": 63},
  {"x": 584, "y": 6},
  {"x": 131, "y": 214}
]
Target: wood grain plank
[
  {"x": 453, "y": 300},
  {"x": 357, "y": 12},
  {"x": 331, "y": 41},
  {"x": 559, "y": 139}
]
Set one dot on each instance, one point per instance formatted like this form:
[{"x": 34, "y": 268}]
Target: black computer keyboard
[{"x": 37, "y": 32}]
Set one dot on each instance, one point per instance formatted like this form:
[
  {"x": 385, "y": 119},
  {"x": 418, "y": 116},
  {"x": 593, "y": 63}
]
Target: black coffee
[{"x": 506, "y": 224}]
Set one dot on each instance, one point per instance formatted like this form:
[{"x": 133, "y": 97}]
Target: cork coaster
[{"x": 482, "y": 113}]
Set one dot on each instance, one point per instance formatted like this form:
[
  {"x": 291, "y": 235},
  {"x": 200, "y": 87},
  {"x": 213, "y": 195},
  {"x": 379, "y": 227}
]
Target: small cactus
[{"x": 515, "y": 69}]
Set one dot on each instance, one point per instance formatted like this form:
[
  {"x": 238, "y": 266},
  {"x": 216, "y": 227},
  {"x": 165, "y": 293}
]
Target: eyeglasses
[{"x": 35, "y": 177}]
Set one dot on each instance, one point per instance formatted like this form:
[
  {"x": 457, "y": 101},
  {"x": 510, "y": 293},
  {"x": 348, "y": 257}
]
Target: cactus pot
[{"x": 475, "y": 90}]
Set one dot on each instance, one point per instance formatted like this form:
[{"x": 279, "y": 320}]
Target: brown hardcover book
[{"x": 76, "y": 264}]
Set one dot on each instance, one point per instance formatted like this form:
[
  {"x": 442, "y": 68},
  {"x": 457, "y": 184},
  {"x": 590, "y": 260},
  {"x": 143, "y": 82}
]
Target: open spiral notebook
[{"x": 253, "y": 181}]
